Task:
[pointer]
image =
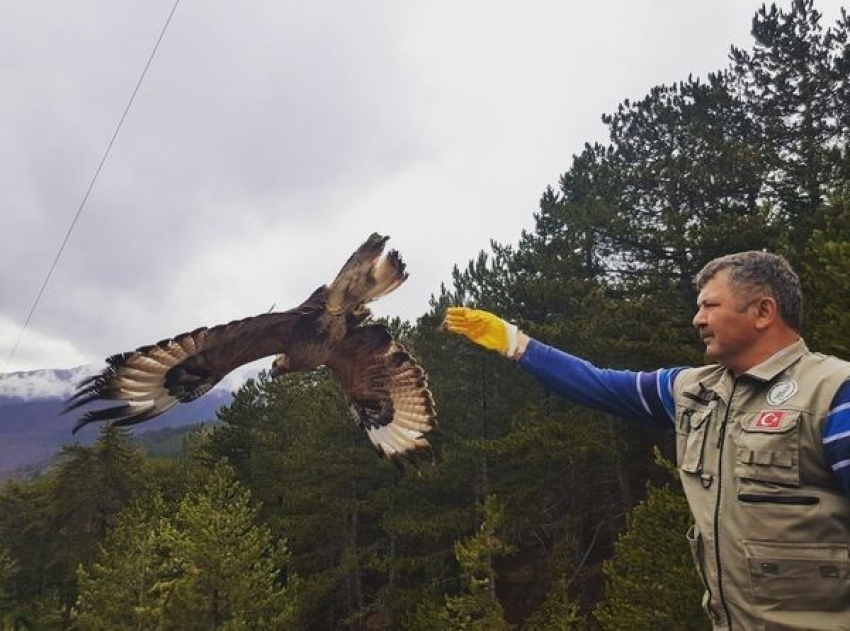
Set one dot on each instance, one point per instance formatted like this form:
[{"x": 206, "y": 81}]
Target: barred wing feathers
[
  {"x": 387, "y": 391},
  {"x": 152, "y": 379},
  {"x": 386, "y": 388}
]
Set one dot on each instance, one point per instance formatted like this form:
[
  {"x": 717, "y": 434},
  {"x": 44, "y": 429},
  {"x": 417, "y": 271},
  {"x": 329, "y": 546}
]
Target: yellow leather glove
[{"x": 483, "y": 328}]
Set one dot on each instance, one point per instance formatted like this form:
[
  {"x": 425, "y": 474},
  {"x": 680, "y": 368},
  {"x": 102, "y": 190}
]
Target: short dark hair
[{"x": 761, "y": 272}]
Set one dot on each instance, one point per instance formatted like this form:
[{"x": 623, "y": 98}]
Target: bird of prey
[{"x": 386, "y": 388}]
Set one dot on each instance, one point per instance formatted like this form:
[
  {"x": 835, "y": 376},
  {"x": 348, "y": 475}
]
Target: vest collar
[{"x": 778, "y": 362}]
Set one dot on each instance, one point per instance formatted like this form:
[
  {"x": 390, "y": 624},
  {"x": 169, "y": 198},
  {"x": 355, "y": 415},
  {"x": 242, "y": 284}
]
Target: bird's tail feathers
[
  {"x": 367, "y": 275},
  {"x": 388, "y": 273}
]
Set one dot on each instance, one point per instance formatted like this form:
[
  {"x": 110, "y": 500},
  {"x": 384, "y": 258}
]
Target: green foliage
[
  {"x": 789, "y": 83},
  {"x": 166, "y": 442},
  {"x": 51, "y": 525},
  {"x": 24, "y": 529},
  {"x": 123, "y": 588},
  {"x": 89, "y": 489},
  {"x": 8, "y": 571},
  {"x": 652, "y": 583},
  {"x": 558, "y": 612},
  {"x": 225, "y": 567},
  {"x": 209, "y": 566},
  {"x": 292, "y": 441},
  {"x": 475, "y": 606},
  {"x": 426, "y": 614},
  {"x": 361, "y": 541},
  {"x": 824, "y": 275},
  {"x": 7, "y": 578}
]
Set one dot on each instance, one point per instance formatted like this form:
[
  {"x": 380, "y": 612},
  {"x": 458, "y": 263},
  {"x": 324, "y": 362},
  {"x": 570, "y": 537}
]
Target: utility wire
[{"x": 92, "y": 183}]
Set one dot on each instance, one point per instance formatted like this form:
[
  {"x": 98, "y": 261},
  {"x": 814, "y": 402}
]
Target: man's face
[{"x": 725, "y": 320}]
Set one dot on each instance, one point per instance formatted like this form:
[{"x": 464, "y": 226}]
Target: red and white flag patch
[{"x": 769, "y": 419}]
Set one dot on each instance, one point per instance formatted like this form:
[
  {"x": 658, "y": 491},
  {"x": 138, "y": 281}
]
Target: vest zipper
[{"x": 721, "y": 440}]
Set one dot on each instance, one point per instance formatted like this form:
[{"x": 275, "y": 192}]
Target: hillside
[{"x": 33, "y": 429}]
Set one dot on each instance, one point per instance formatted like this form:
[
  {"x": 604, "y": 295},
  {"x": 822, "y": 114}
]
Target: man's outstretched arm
[{"x": 646, "y": 397}]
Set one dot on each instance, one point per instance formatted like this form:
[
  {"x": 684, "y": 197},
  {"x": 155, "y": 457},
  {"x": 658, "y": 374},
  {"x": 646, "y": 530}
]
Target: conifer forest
[{"x": 533, "y": 514}]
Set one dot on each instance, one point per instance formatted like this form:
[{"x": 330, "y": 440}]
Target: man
[{"x": 763, "y": 442}]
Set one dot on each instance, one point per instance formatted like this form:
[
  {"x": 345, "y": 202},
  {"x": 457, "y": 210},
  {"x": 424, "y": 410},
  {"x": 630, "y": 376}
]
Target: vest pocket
[
  {"x": 782, "y": 500},
  {"x": 692, "y": 431},
  {"x": 697, "y": 545},
  {"x": 799, "y": 576},
  {"x": 768, "y": 448}
]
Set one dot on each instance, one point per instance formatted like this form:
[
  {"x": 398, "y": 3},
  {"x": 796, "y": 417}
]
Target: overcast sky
[{"x": 271, "y": 137}]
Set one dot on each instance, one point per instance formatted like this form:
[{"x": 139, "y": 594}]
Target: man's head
[
  {"x": 749, "y": 307},
  {"x": 755, "y": 274}
]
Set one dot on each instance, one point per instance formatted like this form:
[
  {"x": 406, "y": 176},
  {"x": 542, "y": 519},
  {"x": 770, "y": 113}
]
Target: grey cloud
[{"x": 269, "y": 138}]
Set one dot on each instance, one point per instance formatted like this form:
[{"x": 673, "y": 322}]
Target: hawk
[{"x": 386, "y": 388}]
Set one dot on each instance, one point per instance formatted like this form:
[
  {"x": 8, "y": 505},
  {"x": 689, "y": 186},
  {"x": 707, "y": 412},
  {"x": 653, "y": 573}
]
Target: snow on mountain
[
  {"x": 60, "y": 383},
  {"x": 44, "y": 384},
  {"x": 33, "y": 428}
]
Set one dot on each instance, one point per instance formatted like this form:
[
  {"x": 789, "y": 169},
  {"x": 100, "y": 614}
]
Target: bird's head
[
  {"x": 358, "y": 315},
  {"x": 280, "y": 365}
]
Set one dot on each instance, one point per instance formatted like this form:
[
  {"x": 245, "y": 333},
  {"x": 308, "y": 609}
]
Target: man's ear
[{"x": 767, "y": 312}]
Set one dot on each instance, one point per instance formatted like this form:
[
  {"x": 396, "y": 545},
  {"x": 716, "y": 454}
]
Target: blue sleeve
[
  {"x": 836, "y": 437},
  {"x": 646, "y": 397}
]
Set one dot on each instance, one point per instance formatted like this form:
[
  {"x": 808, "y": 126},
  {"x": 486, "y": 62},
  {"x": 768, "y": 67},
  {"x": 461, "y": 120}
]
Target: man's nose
[{"x": 699, "y": 319}]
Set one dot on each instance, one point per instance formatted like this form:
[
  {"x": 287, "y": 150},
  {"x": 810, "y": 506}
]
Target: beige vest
[{"x": 772, "y": 526}]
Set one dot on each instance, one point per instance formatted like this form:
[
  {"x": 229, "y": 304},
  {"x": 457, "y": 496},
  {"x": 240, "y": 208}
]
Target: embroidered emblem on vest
[
  {"x": 782, "y": 391},
  {"x": 769, "y": 419}
]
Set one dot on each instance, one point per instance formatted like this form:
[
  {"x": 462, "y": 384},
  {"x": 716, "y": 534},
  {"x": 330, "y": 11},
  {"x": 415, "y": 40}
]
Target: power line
[{"x": 92, "y": 183}]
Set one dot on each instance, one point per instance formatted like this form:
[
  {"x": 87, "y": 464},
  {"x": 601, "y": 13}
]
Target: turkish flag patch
[{"x": 769, "y": 419}]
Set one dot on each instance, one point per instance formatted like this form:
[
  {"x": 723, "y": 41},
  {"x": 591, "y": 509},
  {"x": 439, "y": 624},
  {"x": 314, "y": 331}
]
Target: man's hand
[{"x": 483, "y": 328}]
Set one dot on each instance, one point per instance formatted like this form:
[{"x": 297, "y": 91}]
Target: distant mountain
[
  {"x": 168, "y": 442},
  {"x": 29, "y": 385},
  {"x": 32, "y": 428}
]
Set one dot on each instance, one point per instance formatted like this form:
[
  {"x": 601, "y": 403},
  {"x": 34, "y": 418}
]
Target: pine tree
[
  {"x": 210, "y": 565},
  {"x": 88, "y": 489},
  {"x": 652, "y": 582},
  {"x": 25, "y": 529},
  {"x": 476, "y": 607},
  {"x": 7, "y": 587},
  {"x": 227, "y": 571},
  {"x": 793, "y": 81},
  {"x": 123, "y": 588},
  {"x": 824, "y": 274},
  {"x": 558, "y": 612}
]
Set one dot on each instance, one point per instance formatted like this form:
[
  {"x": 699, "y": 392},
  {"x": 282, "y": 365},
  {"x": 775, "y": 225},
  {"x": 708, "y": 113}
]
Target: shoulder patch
[{"x": 782, "y": 391}]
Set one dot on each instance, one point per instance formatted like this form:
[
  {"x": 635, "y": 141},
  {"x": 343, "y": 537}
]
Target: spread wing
[
  {"x": 387, "y": 391},
  {"x": 152, "y": 379}
]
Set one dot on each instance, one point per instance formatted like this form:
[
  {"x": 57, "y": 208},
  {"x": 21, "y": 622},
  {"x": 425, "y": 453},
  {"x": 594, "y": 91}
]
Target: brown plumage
[{"x": 387, "y": 389}]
